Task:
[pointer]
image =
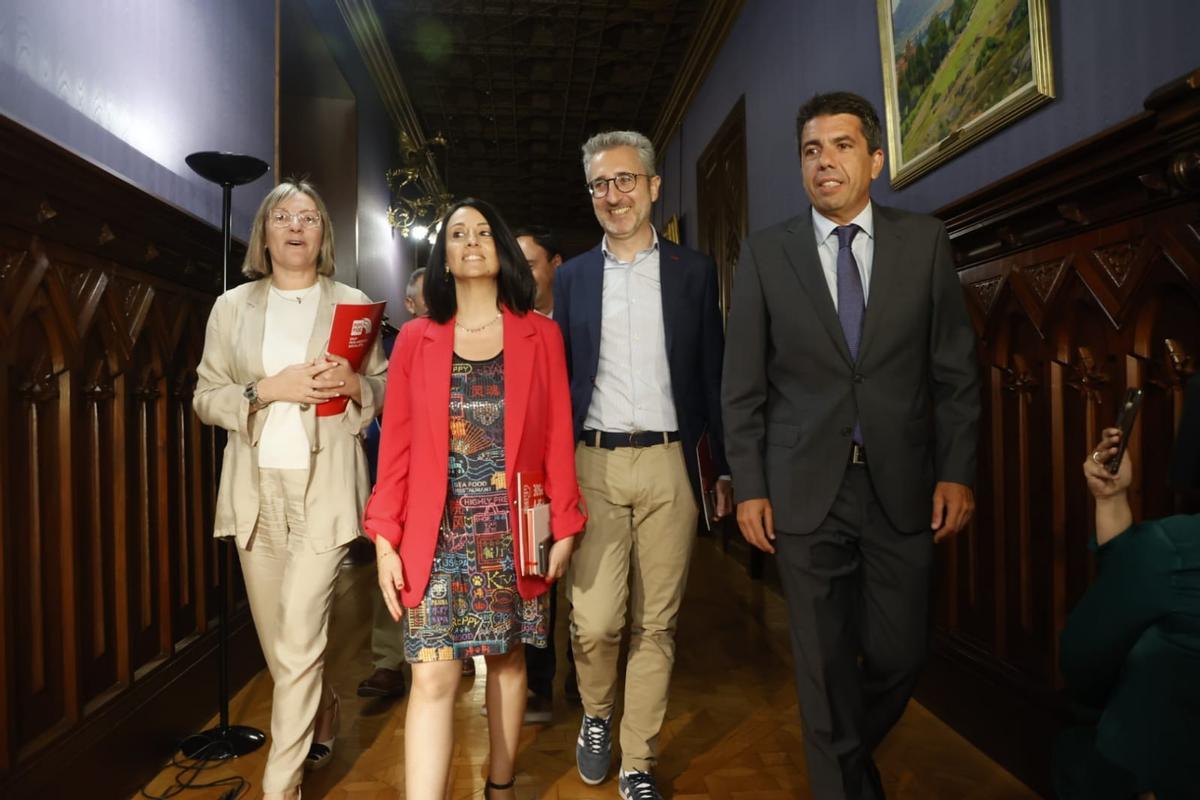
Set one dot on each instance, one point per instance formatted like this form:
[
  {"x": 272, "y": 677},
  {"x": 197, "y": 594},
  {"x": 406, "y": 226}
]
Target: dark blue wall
[
  {"x": 1108, "y": 55},
  {"x": 135, "y": 86},
  {"x": 384, "y": 257}
]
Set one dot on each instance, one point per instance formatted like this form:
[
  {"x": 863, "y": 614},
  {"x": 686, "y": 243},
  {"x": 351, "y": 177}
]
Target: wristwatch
[{"x": 251, "y": 394}]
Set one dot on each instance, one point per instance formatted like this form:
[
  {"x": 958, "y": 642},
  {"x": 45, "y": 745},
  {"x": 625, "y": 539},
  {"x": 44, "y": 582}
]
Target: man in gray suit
[{"x": 851, "y": 399}]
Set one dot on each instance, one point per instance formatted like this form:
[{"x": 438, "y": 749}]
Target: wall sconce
[{"x": 419, "y": 199}]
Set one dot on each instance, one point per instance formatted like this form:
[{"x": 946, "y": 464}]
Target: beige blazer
[{"x": 338, "y": 481}]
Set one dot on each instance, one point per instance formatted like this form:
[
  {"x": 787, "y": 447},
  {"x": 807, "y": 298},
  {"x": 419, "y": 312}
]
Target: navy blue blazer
[{"x": 694, "y": 334}]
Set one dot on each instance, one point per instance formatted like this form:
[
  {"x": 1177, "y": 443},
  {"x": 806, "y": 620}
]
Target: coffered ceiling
[{"x": 516, "y": 86}]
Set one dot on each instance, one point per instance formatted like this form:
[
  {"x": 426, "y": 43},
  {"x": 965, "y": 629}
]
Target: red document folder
[
  {"x": 352, "y": 335},
  {"x": 533, "y": 538},
  {"x": 707, "y": 471}
]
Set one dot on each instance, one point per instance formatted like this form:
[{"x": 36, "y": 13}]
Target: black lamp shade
[{"x": 227, "y": 169}]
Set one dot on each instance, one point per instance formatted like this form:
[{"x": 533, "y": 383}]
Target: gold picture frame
[
  {"x": 965, "y": 69},
  {"x": 672, "y": 231}
]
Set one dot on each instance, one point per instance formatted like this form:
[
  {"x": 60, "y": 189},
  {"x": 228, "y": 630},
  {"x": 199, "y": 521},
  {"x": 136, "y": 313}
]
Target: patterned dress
[{"x": 471, "y": 606}]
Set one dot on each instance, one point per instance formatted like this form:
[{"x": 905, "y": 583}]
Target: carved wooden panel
[
  {"x": 722, "y": 198},
  {"x": 90, "y": 425},
  {"x": 1064, "y": 329},
  {"x": 107, "y": 479},
  {"x": 1082, "y": 277}
]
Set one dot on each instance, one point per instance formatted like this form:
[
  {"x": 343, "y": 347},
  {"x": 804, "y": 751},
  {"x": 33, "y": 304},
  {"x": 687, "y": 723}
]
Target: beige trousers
[
  {"x": 633, "y": 557},
  {"x": 290, "y": 589}
]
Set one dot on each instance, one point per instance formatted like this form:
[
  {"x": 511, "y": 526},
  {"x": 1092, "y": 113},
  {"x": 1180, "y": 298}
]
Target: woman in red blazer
[{"x": 479, "y": 395}]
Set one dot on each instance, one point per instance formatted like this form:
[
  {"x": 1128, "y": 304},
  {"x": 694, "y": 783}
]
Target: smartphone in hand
[{"x": 1129, "y": 412}]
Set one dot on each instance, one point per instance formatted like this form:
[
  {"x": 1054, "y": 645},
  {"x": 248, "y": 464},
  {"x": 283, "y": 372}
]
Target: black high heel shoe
[{"x": 497, "y": 786}]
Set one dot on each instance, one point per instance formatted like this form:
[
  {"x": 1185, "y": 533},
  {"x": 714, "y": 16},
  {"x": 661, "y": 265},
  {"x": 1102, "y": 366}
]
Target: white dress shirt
[
  {"x": 863, "y": 248},
  {"x": 286, "y": 331},
  {"x": 633, "y": 380}
]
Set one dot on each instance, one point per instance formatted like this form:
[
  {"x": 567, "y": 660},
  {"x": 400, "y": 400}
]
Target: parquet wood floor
[{"x": 732, "y": 729}]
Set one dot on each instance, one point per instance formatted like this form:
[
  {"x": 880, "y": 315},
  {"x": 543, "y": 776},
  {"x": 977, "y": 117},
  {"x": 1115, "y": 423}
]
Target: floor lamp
[{"x": 225, "y": 740}]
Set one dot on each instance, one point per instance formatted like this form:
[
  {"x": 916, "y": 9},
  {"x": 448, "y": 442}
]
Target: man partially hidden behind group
[
  {"x": 387, "y": 635},
  {"x": 851, "y": 400},
  {"x": 544, "y": 254}
]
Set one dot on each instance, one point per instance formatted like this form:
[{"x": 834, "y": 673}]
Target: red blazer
[{"x": 414, "y": 452}]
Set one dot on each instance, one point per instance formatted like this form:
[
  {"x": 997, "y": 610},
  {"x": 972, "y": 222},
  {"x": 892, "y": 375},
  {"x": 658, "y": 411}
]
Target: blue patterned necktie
[{"x": 851, "y": 305}]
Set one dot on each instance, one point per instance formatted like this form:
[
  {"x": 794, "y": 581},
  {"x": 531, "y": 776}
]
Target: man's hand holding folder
[{"x": 716, "y": 492}]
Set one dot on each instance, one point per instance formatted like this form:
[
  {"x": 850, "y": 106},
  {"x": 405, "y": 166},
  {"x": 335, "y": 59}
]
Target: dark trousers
[
  {"x": 540, "y": 661},
  {"x": 858, "y": 603}
]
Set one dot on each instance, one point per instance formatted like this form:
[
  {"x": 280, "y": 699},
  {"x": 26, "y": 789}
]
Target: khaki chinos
[{"x": 633, "y": 556}]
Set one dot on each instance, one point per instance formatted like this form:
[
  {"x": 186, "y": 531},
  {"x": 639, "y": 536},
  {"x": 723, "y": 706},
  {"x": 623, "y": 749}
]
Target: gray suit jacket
[{"x": 790, "y": 392}]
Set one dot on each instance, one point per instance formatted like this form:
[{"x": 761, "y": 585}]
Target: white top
[
  {"x": 863, "y": 248},
  {"x": 288, "y": 327},
  {"x": 633, "y": 379}
]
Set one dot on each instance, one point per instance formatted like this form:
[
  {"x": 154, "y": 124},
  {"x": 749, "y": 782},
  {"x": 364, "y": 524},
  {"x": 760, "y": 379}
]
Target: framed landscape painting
[{"x": 956, "y": 71}]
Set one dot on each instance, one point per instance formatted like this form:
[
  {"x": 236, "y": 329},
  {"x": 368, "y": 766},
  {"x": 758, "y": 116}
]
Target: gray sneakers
[
  {"x": 593, "y": 749},
  {"x": 638, "y": 786}
]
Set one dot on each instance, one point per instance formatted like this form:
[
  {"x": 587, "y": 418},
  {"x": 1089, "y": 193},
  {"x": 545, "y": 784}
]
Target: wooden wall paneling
[
  {"x": 966, "y": 577},
  {"x": 123, "y": 627},
  {"x": 1082, "y": 275},
  {"x": 97, "y": 528},
  {"x": 180, "y": 530},
  {"x": 43, "y": 628},
  {"x": 172, "y": 326},
  {"x": 145, "y": 371},
  {"x": 722, "y": 197},
  {"x": 161, "y": 498},
  {"x": 107, "y": 479}
]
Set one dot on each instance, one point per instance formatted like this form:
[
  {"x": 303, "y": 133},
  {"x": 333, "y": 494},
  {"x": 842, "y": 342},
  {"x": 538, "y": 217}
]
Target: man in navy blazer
[{"x": 644, "y": 341}]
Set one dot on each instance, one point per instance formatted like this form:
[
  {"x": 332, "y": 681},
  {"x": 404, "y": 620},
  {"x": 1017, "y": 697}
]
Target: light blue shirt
[
  {"x": 863, "y": 248},
  {"x": 633, "y": 380}
]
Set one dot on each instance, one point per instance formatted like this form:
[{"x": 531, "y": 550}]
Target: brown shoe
[
  {"x": 383, "y": 683},
  {"x": 468, "y": 667}
]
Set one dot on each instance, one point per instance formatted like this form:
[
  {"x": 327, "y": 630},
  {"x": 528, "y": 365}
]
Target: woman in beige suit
[{"x": 293, "y": 484}]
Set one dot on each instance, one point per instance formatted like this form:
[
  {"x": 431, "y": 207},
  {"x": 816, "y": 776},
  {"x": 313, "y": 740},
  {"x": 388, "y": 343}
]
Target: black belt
[
  {"x": 858, "y": 454},
  {"x": 610, "y": 440}
]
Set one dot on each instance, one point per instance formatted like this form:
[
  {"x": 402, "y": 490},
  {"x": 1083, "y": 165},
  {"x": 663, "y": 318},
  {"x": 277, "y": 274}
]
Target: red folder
[
  {"x": 533, "y": 539},
  {"x": 707, "y": 471},
  {"x": 352, "y": 335}
]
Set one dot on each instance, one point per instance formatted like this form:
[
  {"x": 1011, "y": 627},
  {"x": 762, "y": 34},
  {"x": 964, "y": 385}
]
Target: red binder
[
  {"x": 707, "y": 471},
  {"x": 533, "y": 539},
  {"x": 352, "y": 335}
]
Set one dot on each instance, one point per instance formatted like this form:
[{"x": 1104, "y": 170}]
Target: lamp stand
[{"x": 225, "y": 741}]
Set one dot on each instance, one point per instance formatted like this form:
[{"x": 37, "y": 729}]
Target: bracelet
[{"x": 380, "y": 554}]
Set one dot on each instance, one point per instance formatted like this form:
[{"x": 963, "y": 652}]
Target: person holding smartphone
[{"x": 1131, "y": 647}]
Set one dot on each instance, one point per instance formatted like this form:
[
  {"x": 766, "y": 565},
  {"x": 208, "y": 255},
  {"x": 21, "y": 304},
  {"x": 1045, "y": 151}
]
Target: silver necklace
[
  {"x": 297, "y": 298},
  {"x": 482, "y": 327}
]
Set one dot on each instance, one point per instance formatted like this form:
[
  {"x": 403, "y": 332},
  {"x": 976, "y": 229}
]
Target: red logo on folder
[{"x": 352, "y": 335}]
